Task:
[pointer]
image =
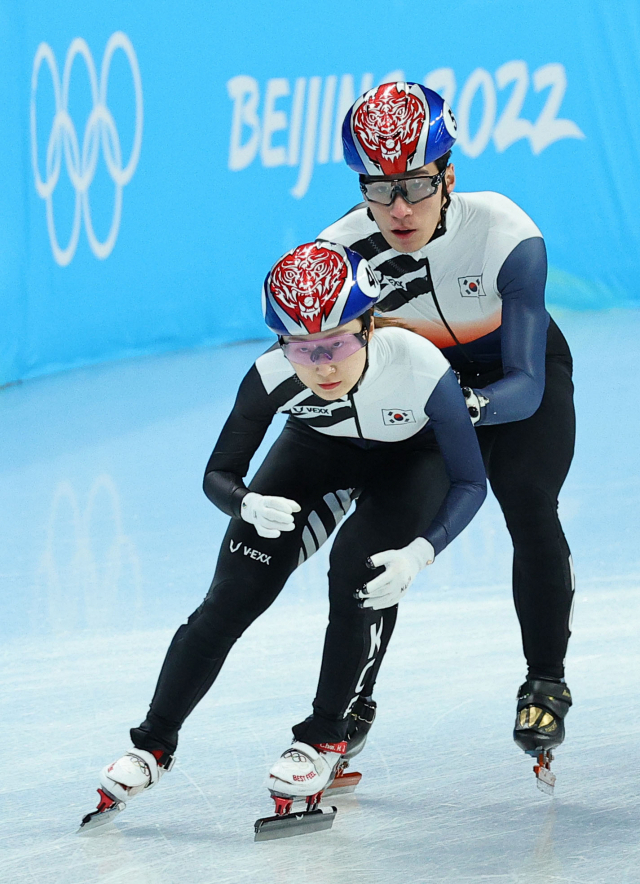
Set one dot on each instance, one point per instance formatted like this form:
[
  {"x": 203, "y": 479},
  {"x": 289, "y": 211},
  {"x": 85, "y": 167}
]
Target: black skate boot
[
  {"x": 539, "y": 728},
  {"x": 542, "y": 706},
  {"x": 360, "y": 718}
]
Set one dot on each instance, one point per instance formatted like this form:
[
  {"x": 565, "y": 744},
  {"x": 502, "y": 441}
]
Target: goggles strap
[
  {"x": 441, "y": 229},
  {"x": 365, "y": 335}
]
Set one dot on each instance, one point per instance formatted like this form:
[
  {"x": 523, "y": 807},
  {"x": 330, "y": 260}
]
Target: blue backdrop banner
[{"x": 158, "y": 157}]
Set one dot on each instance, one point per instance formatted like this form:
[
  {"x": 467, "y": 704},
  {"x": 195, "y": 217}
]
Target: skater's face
[
  {"x": 332, "y": 379},
  {"x": 408, "y": 227}
]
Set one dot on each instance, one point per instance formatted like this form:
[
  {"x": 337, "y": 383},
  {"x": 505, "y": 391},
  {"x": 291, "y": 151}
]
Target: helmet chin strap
[{"x": 446, "y": 202}]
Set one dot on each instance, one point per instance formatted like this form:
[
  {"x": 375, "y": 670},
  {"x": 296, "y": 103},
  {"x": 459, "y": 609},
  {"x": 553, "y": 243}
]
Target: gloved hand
[
  {"x": 401, "y": 567},
  {"x": 269, "y": 515},
  {"x": 476, "y": 403}
]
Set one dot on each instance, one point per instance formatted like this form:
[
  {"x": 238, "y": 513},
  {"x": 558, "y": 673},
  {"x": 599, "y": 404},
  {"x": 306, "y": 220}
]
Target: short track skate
[
  {"x": 136, "y": 771},
  {"x": 303, "y": 772},
  {"x": 539, "y": 728}
]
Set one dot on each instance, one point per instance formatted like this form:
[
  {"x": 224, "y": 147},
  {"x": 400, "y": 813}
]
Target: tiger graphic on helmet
[
  {"x": 317, "y": 287},
  {"x": 306, "y": 283},
  {"x": 395, "y": 128},
  {"x": 388, "y": 124}
]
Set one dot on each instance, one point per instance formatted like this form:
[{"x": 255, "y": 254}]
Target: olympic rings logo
[
  {"x": 88, "y": 571},
  {"x": 100, "y": 131}
]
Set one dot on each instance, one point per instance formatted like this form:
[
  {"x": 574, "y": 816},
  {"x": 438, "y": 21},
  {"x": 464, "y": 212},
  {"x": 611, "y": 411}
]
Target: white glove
[
  {"x": 476, "y": 402},
  {"x": 401, "y": 567},
  {"x": 269, "y": 515}
]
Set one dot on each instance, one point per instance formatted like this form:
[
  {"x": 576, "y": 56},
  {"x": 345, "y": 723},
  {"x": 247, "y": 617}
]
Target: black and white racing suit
[
  {"x": 403, "y": 437},
  {"x": 476, "y": 290}
]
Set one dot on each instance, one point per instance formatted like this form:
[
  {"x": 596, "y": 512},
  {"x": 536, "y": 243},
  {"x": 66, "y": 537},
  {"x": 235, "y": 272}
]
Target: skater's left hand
[
  {"x": 476, "y": 404},
  {"x": 401, "y": 567}
]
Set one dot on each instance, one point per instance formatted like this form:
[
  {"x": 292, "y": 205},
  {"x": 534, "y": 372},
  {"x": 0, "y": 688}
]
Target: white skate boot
[
  {"x": 302, "y": 771},
  {"x": 122, "y": 780}
]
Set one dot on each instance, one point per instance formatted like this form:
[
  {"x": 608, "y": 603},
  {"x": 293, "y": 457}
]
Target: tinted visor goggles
[
  {"x": 322, "y": 350},
  {"x": 412, "y": 190}
]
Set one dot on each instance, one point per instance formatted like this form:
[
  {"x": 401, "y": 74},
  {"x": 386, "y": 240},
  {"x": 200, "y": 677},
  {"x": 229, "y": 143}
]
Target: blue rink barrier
[{"x": 157, "y": 158}]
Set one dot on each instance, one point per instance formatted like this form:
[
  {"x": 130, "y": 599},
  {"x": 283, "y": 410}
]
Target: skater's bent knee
[{"x": 228, "y": 610}]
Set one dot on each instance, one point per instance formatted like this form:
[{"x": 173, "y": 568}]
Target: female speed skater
[
  {"x": 467, "y": 271},
  {"x": 379, "y": 411}
]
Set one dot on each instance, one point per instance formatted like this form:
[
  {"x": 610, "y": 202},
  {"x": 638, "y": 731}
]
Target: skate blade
[
  {"x": 271, "y": 827},
  {"x": 100, "y": 818},
  {"x": 546, "y": 781},
  {"x": 344, "y": 784}
]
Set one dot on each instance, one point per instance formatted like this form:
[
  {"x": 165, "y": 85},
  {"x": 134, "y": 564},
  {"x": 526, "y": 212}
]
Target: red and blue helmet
[
  {"x": 396, "y": 128},
  {"x": 317, "y": 287}
]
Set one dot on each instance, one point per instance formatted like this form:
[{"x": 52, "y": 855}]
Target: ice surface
[{"x": 109, "y": 543}]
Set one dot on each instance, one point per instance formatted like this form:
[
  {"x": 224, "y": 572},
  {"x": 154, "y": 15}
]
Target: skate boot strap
[
  {"x": 364, "y": 710},
  {"x": 550, "y": 695},
  {"x": 165, "y": 761}
]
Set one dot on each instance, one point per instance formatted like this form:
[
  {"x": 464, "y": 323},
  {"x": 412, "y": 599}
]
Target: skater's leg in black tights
[
  {"x": 400, "y": 499},
  {"x": 250, "y": 574},
  {"x": 242, "y": 589},
  {"x": 527, "y": 462}
]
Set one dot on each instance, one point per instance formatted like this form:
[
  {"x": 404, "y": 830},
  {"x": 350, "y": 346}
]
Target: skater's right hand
[
  {"x": 400, "y": 569},
  {"x": 269, "y": 515}
]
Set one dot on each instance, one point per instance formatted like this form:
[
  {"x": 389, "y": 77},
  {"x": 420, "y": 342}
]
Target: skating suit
[
  {"x": 403, "y": 438},
  {"x": 476, "y": 290}
]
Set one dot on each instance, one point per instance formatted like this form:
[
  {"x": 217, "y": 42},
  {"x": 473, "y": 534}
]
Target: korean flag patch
[
  {"x": 471, "y": 286},
  {"x": 393, "y": 416}
]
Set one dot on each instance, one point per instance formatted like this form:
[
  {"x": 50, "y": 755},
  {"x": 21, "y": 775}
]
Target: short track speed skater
[{"x": 542, "y": 707}]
